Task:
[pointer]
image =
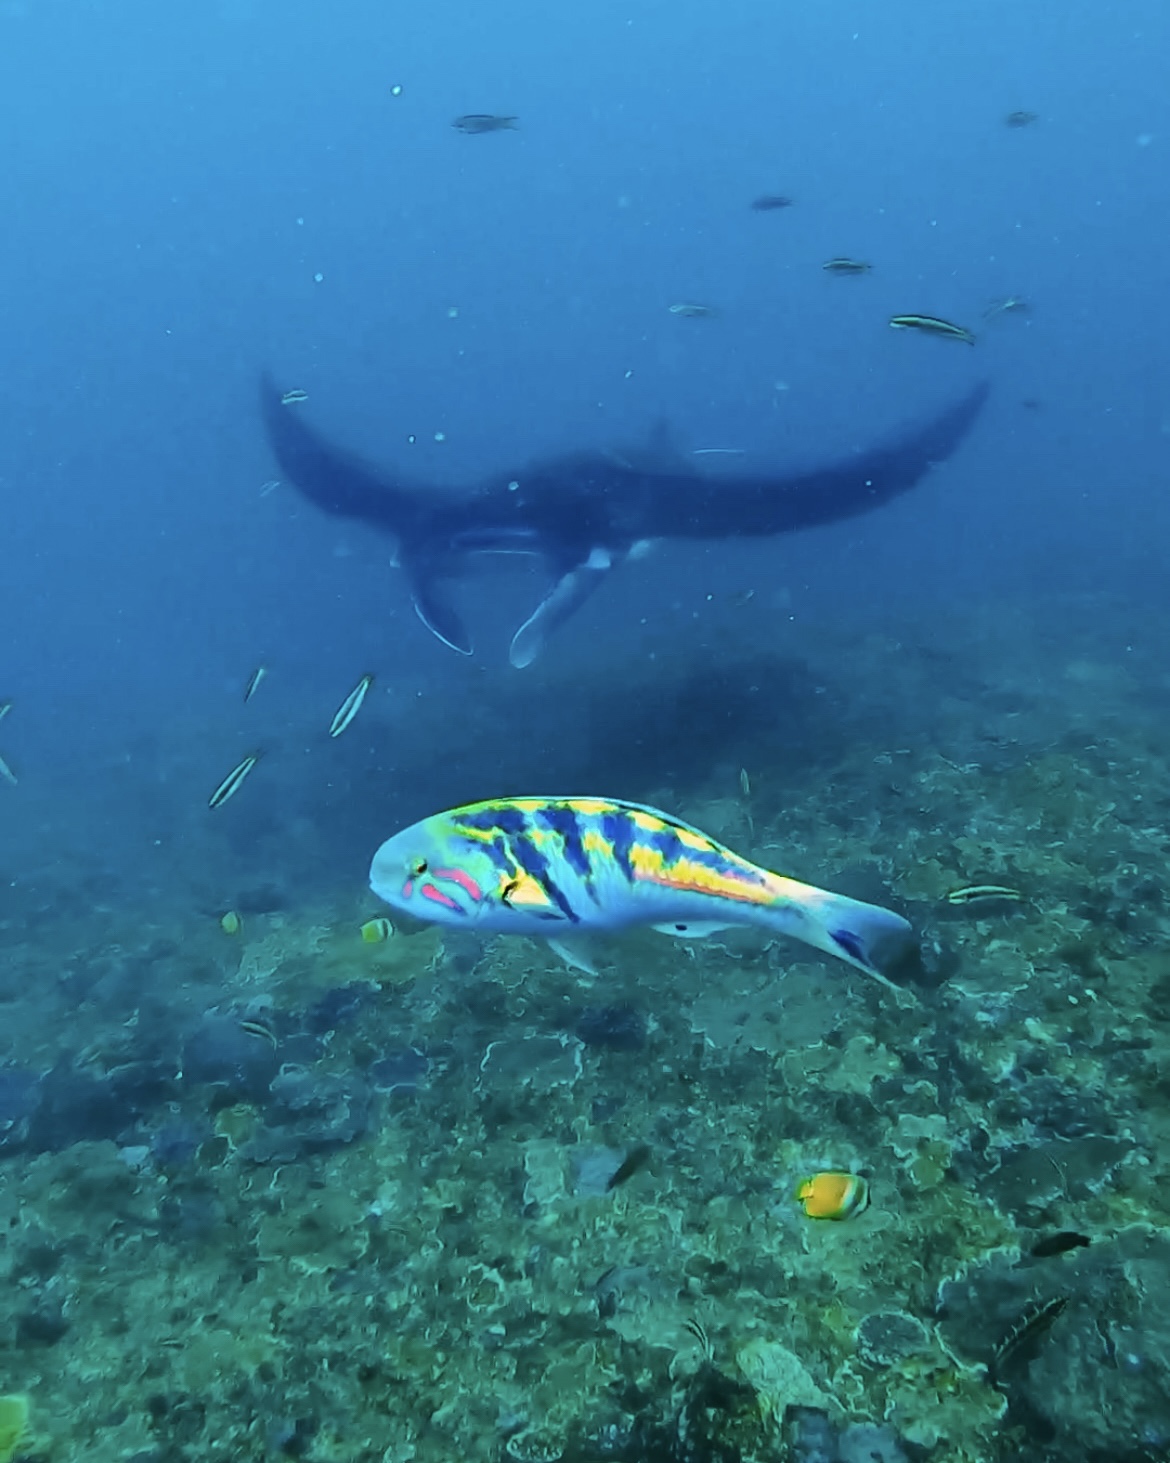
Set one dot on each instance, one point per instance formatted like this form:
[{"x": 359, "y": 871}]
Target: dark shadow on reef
[{"x": 685, "y": 731}]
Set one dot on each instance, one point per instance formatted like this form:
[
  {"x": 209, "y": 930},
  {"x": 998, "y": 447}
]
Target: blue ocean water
[{"x": 195, "y": 195}]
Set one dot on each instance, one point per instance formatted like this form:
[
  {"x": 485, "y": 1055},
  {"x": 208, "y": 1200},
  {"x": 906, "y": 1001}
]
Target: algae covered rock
[{"x": 779, "y": 1378}]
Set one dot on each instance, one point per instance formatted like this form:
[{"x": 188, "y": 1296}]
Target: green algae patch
[{"x": 14, "y": 1424}]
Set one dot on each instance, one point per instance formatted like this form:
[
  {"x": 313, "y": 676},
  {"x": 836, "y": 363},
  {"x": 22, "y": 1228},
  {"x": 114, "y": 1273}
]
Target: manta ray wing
[{"x": 584, "y": 513}]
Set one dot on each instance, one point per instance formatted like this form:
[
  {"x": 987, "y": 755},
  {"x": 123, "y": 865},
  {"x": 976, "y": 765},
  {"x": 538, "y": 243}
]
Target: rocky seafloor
[{"x": 286, "y": 1194}]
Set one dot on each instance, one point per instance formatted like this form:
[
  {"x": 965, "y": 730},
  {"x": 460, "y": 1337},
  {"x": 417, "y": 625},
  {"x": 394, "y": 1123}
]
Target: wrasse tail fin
[{"x": 866, "y": 936}]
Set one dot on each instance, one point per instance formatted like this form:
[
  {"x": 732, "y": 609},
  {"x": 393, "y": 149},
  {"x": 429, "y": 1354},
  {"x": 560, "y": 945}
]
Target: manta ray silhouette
[{"x": 585, "y": 513}]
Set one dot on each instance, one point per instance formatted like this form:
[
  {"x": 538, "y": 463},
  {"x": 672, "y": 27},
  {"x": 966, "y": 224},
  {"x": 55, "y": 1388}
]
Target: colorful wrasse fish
[{"x": 562, "y": 868}]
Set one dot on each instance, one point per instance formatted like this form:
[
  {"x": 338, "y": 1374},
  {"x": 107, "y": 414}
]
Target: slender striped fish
[
  {"x": 254, "y": 682},
  {"x": 980, "y": 893},
  {"x": 350, "y": 707},
  {"x": 233, "y": 781},
  {"x": 932, "y": 325}
]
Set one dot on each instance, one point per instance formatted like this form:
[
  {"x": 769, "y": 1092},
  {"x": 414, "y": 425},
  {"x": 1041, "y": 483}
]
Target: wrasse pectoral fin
[{"x": 527, "y": 893}]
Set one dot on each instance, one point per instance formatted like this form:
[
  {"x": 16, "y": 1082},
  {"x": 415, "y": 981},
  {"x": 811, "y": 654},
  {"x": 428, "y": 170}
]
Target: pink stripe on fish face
[
  {"x": 429, "y": 891},
  {"x": 464, "y": 880}
]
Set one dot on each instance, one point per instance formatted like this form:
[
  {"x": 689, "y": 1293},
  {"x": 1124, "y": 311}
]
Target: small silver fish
[
  {"x": 691, "y": 311},
  {"x": 233, "y": 781},
  {"x": 5, "y": 708},
  {"x": 350, "y": 707},
  {"x": 6, "y": 772},
  {"x": 294, "y": 397},
  {"x": 254, "y": 682},
  {"x": 843, "y": 265}
]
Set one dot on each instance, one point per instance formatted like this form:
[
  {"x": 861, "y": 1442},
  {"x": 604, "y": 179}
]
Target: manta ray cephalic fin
[{"x": 565, "y": 597}]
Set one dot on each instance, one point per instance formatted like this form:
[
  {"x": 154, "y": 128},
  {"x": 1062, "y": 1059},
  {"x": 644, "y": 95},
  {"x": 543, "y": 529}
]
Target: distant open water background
[{"x": 196, "y": 194}]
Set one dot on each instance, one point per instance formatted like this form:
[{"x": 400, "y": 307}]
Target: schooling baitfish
[{"x": 561, "y": 868}]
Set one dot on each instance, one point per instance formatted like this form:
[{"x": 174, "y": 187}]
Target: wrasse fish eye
[{"x": 419, "y": 867}]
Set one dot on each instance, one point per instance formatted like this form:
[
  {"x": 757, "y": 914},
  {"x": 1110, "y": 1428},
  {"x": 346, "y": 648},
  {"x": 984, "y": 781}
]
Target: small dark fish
[
  {"x": 843, "y": 265},
  {"x": 476, "y": 122},
  {"x": 637, "y": 1158},
  {"x": 1028, "y": 1331},
  {"x": 350, "y": 707},
  {"x": 254, "y": 682},
  {"x": 1021, "y": 119},
  {"x": 233, "y": 781},
  {"x": 978, "y": 893},
  {"x": 932, "y": 325},
  {"x": 771, "y": 201},
  {"x": 1059, "y": 1243}
]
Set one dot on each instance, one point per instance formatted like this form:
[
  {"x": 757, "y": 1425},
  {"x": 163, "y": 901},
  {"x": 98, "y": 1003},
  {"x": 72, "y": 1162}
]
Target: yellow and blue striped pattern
[
  {"x": 575, "y": 854},
  {"x": 562, "y": 866}
]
